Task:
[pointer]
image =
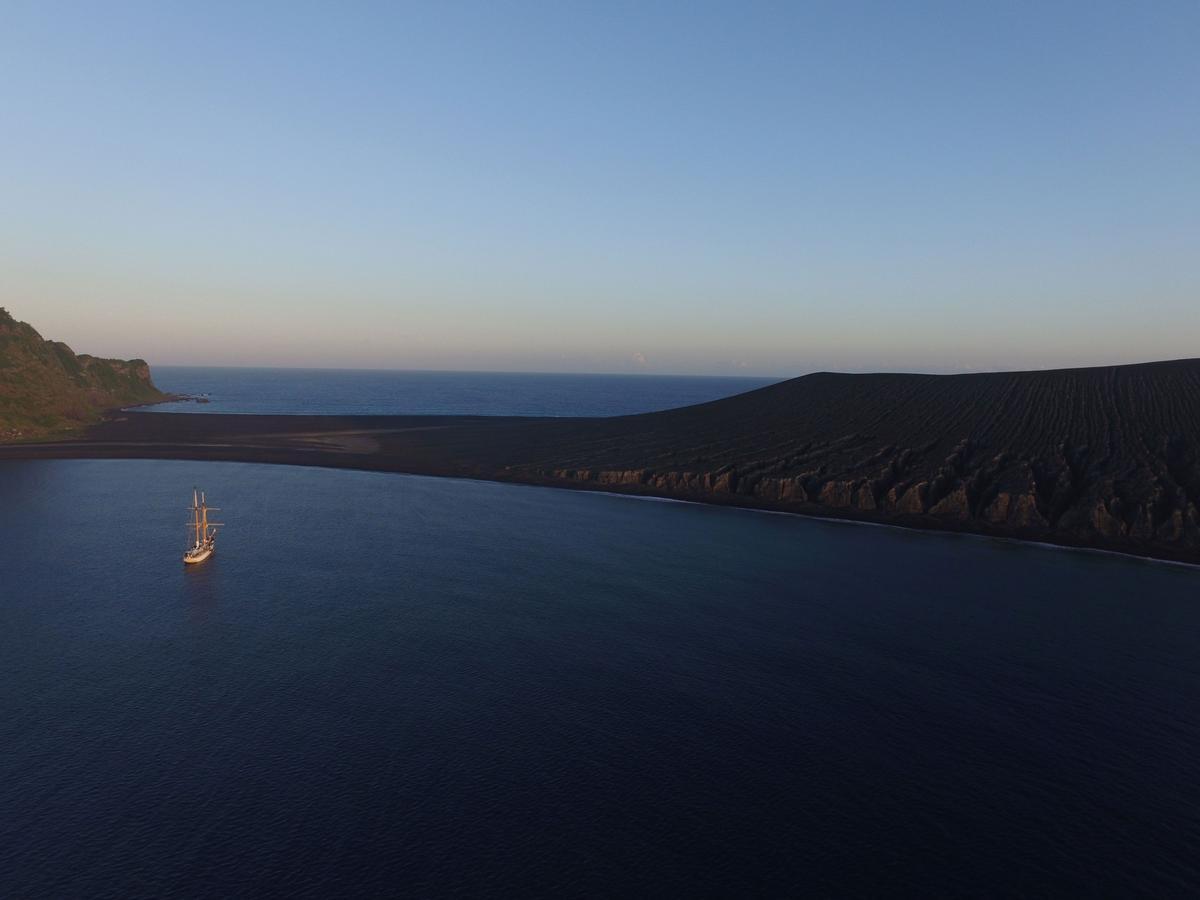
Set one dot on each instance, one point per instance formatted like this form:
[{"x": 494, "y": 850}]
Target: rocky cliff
[
  {"x": 1105, "y": 457},
  {"x": 46, "y": 388}
]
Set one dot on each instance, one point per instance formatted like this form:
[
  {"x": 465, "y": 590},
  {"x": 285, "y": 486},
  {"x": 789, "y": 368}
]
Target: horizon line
[{"x": 745, "y": 376}]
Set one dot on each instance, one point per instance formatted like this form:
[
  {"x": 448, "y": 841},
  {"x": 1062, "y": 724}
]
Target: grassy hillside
[{"x": 46, "y": 388}]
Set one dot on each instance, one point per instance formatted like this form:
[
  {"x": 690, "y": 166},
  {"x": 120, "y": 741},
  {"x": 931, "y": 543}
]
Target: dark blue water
[
  {"x": 355, "y": 392},
  {"x": 397, "y": 685}
]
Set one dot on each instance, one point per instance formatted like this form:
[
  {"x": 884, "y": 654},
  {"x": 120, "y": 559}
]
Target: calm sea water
[
  {"x": 397, "y": 685},
  {"x": 355, "y": 392}
]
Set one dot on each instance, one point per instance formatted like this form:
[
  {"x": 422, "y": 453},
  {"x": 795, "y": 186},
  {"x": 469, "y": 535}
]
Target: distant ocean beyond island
[{"x": 358, "y": 392}]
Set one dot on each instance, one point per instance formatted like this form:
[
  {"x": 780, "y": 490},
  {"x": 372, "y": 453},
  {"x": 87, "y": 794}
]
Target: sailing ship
[{"x": 203, "y": 532}]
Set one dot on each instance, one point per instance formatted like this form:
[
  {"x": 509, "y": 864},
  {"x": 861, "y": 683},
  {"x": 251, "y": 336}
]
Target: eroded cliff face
[
  {"x": 1106, "y": 457},
  {"x": 972, "y": 490},
  {"x": 46, "y": 388}
]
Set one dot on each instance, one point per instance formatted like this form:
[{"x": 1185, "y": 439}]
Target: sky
[{"x": 695, "y": 187}]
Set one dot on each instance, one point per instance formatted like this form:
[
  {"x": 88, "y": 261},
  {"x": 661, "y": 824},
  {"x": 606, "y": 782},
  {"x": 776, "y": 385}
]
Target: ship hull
[{"x": 198, "y": 557}]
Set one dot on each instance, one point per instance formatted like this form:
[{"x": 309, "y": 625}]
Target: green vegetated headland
[{"x": 46, "y": 388}]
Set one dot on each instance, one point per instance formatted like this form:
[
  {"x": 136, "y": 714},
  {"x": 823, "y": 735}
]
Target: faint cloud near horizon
[{"x": 639, "y": 359}]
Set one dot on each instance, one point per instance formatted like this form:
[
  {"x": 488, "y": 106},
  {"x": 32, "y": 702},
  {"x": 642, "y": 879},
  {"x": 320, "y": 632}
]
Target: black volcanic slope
[{"x": 1105, "y": 457}]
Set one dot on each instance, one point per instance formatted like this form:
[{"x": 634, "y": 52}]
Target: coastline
[
  {"x": 166, "y": 398},
  {"x": 471, "y": 447}
]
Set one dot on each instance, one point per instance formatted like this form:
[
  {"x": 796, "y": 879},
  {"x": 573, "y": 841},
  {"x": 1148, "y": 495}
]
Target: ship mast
[
  {"x": 204, "y": 531},
  {"x": 196, "y": 517}
]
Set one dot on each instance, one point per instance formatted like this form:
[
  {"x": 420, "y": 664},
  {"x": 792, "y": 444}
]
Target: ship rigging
[{"x": 202, "y": 531}]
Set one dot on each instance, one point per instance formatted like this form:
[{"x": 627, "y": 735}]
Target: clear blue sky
[{"x": 691, "y": 187}]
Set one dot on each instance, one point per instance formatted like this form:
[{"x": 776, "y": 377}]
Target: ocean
[
  {"x": 397, "y": 685},
  {"x": 365, "y": 392}
]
